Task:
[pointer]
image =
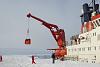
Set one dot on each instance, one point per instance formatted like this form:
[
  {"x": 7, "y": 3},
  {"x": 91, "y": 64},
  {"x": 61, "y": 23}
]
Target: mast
[{"x": 93, "y": 3}]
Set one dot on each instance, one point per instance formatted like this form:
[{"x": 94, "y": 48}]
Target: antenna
[{"x": 93, "y": 3}]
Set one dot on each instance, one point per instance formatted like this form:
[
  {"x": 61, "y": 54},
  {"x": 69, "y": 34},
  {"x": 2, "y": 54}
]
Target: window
[
  {"x": 99, "y": 20},
  {"x": 95, "y": 33},
  {"x": 94, "y": 56},
  {"x": 98, "y": 23},
  {"x": 95, "y": 48},
  {"x": 68, "y": 49},
  {"x": 94, "y": 24},
  {"x": 99, "y": 47},
  {"x": 89, "y": 48},
  {"x": 93, "y": 61},
  {"x": 83, "y": 49},
  {"x": 79, "y": 49},
  {"x": 98, "y": 37},
  {"x": 82, "y": 19}
]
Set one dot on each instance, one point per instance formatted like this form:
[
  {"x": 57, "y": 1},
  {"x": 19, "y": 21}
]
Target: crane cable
[
  {"x": 28, "y": 40},
  {"x": 28, "y": 30}
]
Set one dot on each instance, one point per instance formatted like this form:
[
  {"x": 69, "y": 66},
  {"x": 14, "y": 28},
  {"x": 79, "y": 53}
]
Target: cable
[{"x": 28, "y": 29}]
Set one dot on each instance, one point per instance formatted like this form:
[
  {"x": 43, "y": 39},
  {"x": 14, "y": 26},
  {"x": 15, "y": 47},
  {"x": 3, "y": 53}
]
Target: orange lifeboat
[{"x": 89, "y": 26}]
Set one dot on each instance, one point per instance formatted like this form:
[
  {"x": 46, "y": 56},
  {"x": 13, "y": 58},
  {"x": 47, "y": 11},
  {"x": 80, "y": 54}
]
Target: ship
[{"x": 85, "y": 46}]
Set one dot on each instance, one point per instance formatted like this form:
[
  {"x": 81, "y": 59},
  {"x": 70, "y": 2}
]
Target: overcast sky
[{"x": 13, "y": 21}]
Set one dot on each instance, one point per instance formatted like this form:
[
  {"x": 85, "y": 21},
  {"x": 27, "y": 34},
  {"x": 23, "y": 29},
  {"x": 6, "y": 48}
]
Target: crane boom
[
  {"x": 48, "y": 25},
  {"x": 58, "y": 34}
]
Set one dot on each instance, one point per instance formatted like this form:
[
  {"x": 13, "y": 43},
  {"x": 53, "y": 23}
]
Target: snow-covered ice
[{"x": 25, "y": 61}]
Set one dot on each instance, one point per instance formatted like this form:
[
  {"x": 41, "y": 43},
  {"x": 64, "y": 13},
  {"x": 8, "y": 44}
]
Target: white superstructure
[{"x": 85, "y": 47}]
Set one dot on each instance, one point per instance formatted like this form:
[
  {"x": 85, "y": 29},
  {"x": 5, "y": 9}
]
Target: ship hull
[{"x": 88, "y": 50}]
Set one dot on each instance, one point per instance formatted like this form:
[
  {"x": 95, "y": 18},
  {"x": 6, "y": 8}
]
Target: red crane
[{"x": 59, "y": 36}]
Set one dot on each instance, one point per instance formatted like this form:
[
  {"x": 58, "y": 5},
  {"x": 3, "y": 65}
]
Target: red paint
[
  {"x": 89, "y": 26},
  {"x": 60, "y": 52},
  {"x": 27, "y": 41},
  {"x": 95, "y": 17},
  {"x": 58, "y": 34}
]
